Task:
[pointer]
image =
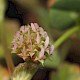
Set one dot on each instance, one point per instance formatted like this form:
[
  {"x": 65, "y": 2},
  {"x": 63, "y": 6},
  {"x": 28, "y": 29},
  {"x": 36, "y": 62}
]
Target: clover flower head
[{"x": 32, "y": 43}]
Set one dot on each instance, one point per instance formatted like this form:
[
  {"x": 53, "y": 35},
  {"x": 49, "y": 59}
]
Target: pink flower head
[{"x": 32, "y": 43}]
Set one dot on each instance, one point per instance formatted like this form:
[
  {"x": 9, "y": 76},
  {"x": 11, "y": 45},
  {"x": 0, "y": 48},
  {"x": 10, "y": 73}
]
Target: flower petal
[
  {"x": 22, "y": 29},
  {"x": 24, "y": 52},
  {"x": 14, "y": 47},
  {"x": 29, "y": 39},
  {"x": 17, "y": 34},
  {"x": 51, "y": 49},
  {"x": 16, "y": 37},
  {"x": 36, "y": 25},
  {"x": 26, "y": 29},
  {"x": 41, "y": 54},
  {"x": 41, "y": 31},
  {"x": 46, "y": 42},
  {"x": 21, "y": 56},
  {"x": 21, "y": 40},
  {"x": 33, "y": 27},
  {"x": 38, "y": 38},
  {"x": 28, "y": 33}
]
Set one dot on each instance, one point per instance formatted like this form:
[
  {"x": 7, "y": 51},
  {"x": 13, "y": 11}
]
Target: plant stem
[
  {"x": 65, "y": 36},
  {"x": 25, "y": 71},
  {"x": 3, "y": 37},
  {"x": 8, "y": 57}
]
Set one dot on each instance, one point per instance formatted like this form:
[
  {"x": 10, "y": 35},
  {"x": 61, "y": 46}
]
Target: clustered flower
[{"x": 32, "y": 43}]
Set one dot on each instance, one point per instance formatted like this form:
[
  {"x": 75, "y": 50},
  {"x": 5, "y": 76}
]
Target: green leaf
[
  {"x": 66, "y": 72},
  {"x": 62, "y": 19},
  {"x": 73, "y": 5},
  {"x": 54, "y": 61}
]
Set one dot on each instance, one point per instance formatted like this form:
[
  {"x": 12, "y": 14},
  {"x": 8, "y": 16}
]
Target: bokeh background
[{"x": 56, "y": 17}]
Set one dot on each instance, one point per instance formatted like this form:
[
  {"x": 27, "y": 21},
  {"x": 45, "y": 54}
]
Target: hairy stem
[{"x": 25, "y": 71}]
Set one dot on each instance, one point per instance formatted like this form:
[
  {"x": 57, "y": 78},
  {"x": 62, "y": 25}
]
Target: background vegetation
[{"x": 56, "y": 17}]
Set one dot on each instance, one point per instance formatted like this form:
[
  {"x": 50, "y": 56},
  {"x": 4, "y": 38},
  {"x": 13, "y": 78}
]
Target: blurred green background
[{"x": 56, "y": 17}]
